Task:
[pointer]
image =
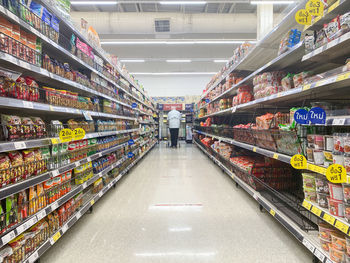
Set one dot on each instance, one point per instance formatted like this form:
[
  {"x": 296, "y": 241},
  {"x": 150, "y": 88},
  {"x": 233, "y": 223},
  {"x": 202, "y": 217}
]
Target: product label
[
  {"x": 298, "y": 161},
  {"x": 78, "y": 134},
  {"x": 303, "y": 17},
  {"x": 315, "y": 7},
  {"x": 336, "y": 173},
  {"x": 66, "y": 135}
]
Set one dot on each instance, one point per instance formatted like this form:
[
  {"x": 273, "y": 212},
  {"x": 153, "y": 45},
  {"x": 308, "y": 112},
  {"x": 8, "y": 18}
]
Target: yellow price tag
[
  {"x": 328, "y": 218},
  {"x": 311, "y": 167},
  {"x": 92, "y": 202},
  {"x": 307, "y": 205},
  {"x": 315, "y": 7},
  {"x": 254, "y": 149},
  {"x": 303, "y": 17},
  {"x": 56, "y": 236},
  {"x": 342, "y": 227},
  {"x": 275, "y": 156},
  {"x": 51, "y": 108},
  {"x": 316, "y": 211},
  {"x": 298, "y": 161},
  {"x": 334, "y": 6},
  {"x": 343, "y": 76},
  {"x": 272, "y": 212},
  {"x": 336, "y": 173},
  {"x": 306, "y": 87},
  {"x": 78, "y": 134},
  {"x": 66, "y": 135},
  {"x": 55, "y": 140}
]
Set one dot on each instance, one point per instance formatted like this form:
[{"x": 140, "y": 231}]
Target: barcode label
[
  {"x": 319, "y": 255},
  {"x": 338, "y": 121},
  {"x": 8, "y": 237},
  {"x": 33, "y": 257},
  {"x": 19, "y": 145},
  {"x": 28, "y": 104},
  {"x": 64, "y": 228},
  {"x": 308, "y": 245},
  {"x": 41, "y": 215}
]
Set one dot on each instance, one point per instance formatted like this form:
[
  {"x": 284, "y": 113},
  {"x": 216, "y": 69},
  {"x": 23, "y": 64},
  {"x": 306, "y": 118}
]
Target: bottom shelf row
[
  {"x": 35, "y": 241},
  {"x": 308, "y": 237}
]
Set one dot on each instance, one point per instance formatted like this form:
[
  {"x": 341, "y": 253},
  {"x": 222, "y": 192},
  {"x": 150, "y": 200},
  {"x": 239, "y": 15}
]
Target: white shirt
[{"x": 174, "y": 119}]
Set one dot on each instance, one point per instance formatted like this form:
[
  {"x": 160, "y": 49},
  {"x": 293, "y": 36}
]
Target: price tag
[
  {"x": 319, "y": 255},
  {"x": 342, "y": 227},
  {"x": 234, "y": 109},
  {"x": 66, "y": 135},
  {"x": 55, "y": 140},
  {"x": 87, "y": 116},
  {"x": 28, "y": 104},
  {"x": 307, "y": 205},
  {"x": 298, "y": 161},
  {"x": 22, "y": 228},
  {"x": 254, "y": 149},
  {"x": 343, "y": 76},
  {"x": 33, "y": 257},
  {"x": 328, "y": 218},
  {"x": 20, "y": 145},
  {"x": 78, "y": 215},
  {"x": 100, "y": 194},
  {"x": 32, "y": 221},
  {"x": 306, "y": 87},
  {"x": 54, "y": 173},
  {"x": 54, "y": 206},
  {"x": 92, "y": 202},
  {"x": 7, "y": 238},
  {"x": 316, "y": 211},
  {"x": 315, "y": 7},
  {"x": 78, "y": 134},
  {"x": 56, "y": 237},
  {"x": 64, "y": 228},
  {"x": 308, "y": 245},
  {"x": 51, "y": 108},
  {"x": 84, "y": 185},
  {"x": 272, "y": 212},
  {"x": 336, "y": 173},
  {"x": 328, "y": 261},
  {"x": 338, "y": 122},
  {"x": 275, "y": 156},
  {"x": 41, "y": 215}
]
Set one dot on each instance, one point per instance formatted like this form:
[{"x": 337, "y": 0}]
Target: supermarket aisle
[{"x": 176, "y": 206}]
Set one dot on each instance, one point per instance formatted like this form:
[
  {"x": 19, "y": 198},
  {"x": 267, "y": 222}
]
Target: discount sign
[
  {"x": 336, "y": 173},
  {"x": 298, "y": 161}
]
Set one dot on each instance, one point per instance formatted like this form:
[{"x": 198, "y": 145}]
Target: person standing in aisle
[{"x": 174, "y": 119}]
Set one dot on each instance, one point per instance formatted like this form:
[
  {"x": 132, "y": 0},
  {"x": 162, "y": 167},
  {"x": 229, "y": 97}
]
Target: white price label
[
  {"x": 52, "y": 241},
  {"x": 54, "y": 206},
  {"x": 99, "y": 154},
  {"x": 308, "y": 245},
  {"x": 64, "y": 228},
  {"x": 22, "y": 228},
  {"x": 338, "y": 121},
  {"x": 100, "y": 194},
  {"x": 328, "y": 261},
  {"x": 7, "y": 238},
  {"x": 41, "y": 215},
  {"x": 33, "y": 221},
  {"x": 234, "y": 109},
  {"x": 319, "y": 255},
  {"x": 54, "y": 173},
  {"x": 89, "y": 159},
  {"x": 78, "y": 215},
  {"x": 28, "y": 104},
  {"x": 19, "y": 145},
  {"x": 84, "y": 185},
  {"x": 33, "y": 257}
]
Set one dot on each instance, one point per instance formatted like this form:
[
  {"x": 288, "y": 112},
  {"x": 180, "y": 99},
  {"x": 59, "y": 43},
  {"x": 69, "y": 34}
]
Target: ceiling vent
[{"x": 162, "y": 25}]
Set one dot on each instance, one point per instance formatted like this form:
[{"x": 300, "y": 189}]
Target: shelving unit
[
  {"x": 330, "y": 81},
  {"x": 114, "y": 133}
]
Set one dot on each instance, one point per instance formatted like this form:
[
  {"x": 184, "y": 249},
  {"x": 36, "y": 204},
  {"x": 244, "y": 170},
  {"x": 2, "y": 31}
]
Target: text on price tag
[
  {"x": 336, "y": 173},
  {"x": 342, "y": 227},
  {"x": 298, "y": 161},
  {"x": 66, "y": 135},
  {"x": 307, "y": 205},
  {"x": 316, "y": 211},
  {"x": 328, "y": 218},
  {"x": 78, "y": 134},
  {"x": 315, "y": 7}
]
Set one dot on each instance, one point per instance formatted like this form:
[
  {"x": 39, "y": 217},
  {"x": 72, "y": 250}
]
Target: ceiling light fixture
[
  {"x": 178, "y": 60},
  {"x": 182, "y": 2},
  {"x": 198, "y": 42},
  {"x": 93, "y": 2},
  {"x": 132, "y": 60},
  {"x": 220, "y": 60},
  {"x": 172, "y": 73},
  {"x": 277, "y": 2}
]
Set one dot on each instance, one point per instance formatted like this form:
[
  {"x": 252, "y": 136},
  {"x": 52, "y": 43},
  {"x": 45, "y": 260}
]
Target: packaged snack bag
[
  {"x": 22, "y": 205},
  {"x": 11, "y": 210},
  {"x": 5, "y": 164},
  {"x": 33, "y": 201},
  {"x": 332, "y": 29}
]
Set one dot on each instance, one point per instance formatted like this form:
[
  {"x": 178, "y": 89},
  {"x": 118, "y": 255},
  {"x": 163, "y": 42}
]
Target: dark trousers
[{"x": 174, "y": 134}]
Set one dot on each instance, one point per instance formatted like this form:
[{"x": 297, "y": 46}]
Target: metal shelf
[
  {"x": 307, "y": 239},
  {"x": 51, "y": 241}
]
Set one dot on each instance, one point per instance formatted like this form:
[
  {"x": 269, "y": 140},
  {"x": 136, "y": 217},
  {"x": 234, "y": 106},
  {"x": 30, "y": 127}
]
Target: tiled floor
[{"x": 176, "y": 206}]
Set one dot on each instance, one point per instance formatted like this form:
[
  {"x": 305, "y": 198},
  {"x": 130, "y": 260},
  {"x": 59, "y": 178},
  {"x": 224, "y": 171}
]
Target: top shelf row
[{"x": 53, "y": 38}]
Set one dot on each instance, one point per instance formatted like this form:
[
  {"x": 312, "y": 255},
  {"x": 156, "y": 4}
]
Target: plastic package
[
  {"x": 336, "y": 191},
  {"x": 336, "y": 207}
]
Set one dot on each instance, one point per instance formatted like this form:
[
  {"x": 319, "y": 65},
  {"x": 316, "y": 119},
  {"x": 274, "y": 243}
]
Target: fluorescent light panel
[
  {"x": 182, "y": 2},
  {"x": 93, "y": 2},
  {"x": 176, "y": 42},
  {"x": 172, "y": 73},
  {"x": 132, "y": 60},
  {"x": 178, "y": 60},
  {"x": 278, "y": 2}
]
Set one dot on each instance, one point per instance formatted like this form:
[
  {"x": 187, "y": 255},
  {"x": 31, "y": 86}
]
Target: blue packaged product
[
  {"x": 46, "y": 16},
  {"x": 36, "y": 8},
  {"x": 55, "y": 23}
]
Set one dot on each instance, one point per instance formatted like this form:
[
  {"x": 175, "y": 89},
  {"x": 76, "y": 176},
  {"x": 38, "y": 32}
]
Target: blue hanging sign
[
  {"x": 317, "y": 115},
  {"x": 131, "y": 142},
  {"x": 130, "y": 155},
  {"x": 207, "y": 100},
  {"x": 134, "y": 105},
  {"x": 301, "y": 116}
]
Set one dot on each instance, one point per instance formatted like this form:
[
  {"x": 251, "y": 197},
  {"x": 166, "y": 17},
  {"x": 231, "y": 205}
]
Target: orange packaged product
[
  {"x": 16, "y": 32},
  {"x": 23, "y": 37},
  {"x": 5, "y": 27},
  {"x": 31, "y": 41},
  {"x": 48, "y": 188},
  {"x": 41, "y": 196},
  {"x": 33, "y": 201}
]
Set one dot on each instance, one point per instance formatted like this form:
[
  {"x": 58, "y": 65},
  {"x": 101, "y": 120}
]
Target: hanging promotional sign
[
  {"x": 130, "y": 155},
  {"x": 78, "y": 134},
  {"x": 134, "y": 105},
  {"x": 66, "y": 135},
  {"x": 336, "y": 173},
  {"x": 301, "y": 116},
  {"x": 303, "y": 17},
  {"x": 317, "y": 115},
  {"x": 298, "y": 161},
  {"x": 315, "y": 7},
  {"x": 131, "y": 142}
]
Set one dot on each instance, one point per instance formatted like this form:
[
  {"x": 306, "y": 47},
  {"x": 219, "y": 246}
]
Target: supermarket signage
[
  {"x": 169, "y": 107},
  {"x": 336, "y": 173},
  {"x": 131, "y": 142},
  {"x": 78, "y": 134},
  {"x": 315, "y": 7},
  {"x": 134, "y": 105},
  {"x": 298, "y": 161},
  {"x": 207, "y": 100},
  {"x": 303, "y": 17},
  {"x": 301, "y": 116},
  {"x": 66, "y": 135},
  {"x": 317, "y": 115},
  {"x": 130, "y": 155}
]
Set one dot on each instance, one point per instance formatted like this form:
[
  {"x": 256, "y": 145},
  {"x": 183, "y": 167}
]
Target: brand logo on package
[{"x": 317, "y": 115}]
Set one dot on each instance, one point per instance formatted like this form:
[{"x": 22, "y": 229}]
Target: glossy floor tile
[{"x": 177, "y": 207}]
